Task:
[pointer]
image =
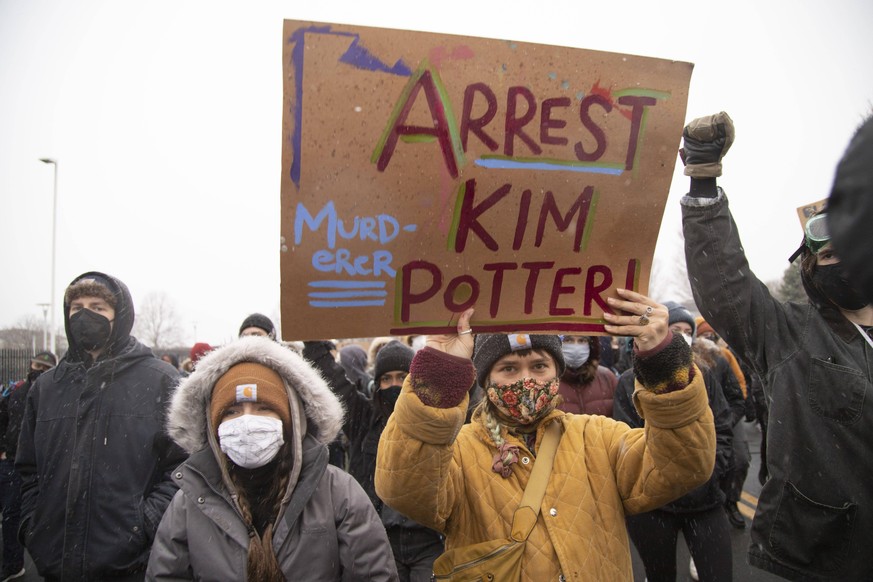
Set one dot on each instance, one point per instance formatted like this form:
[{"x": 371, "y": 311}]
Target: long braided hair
[{"x": 262, "y": 564}]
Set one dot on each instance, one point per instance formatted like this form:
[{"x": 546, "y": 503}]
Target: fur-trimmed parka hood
[{"x": 187, "y": 418}]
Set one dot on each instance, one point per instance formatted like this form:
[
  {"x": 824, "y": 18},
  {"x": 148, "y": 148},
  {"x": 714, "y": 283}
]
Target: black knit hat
[
  {"x": 260, "y": 321},
  {"x": 491, "y": 347},
  {"x": 676, "y": 312},
  {"x": 392, "y": 358}
]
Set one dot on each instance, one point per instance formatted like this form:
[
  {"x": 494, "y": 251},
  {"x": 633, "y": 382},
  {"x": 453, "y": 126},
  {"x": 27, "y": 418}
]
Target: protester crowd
[{"x": 522, "y": 457}]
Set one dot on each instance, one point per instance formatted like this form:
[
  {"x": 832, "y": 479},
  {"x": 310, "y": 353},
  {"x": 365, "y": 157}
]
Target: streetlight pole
[
  {"x": 45, "y": 307},
  {"x": 54, "y": 348}
]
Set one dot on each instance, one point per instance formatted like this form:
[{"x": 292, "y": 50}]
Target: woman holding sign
[{"x": 483, "y": 484}]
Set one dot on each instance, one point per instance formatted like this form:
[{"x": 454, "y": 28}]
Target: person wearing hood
[
  {"x": 697, "y": 514},
  {"x": 257, "y": 498},
  {"x": 850, "y": 209},
  {"x": 353, "y": 359},
  {"x": 11, "y": 412},
  {"x": 94, "y": 460},
  {"x": 468, "y": 480},
  {"x": 815, "y": 511},
  {"x": 415, "y": 547},
  {"x": 586, "y": 386}
]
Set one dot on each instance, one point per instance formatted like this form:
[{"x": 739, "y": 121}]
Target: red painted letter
[
  {"x": 440, "y": 129},
  {"x": 476, "y": 125},
  {"x": 514, "y": 125},
  {"x": 596, "y": 131},
  {"x": 408, "y": 297}
]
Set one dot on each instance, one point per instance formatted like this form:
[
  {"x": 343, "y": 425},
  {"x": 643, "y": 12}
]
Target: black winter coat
[
  {"x": 11, "y": 413},
  {"x": 815, "y": 512},
  {"x": 95, "y": 460},
  {"x": 364, "y": 422},
  {"x": 709, "y": 494}
]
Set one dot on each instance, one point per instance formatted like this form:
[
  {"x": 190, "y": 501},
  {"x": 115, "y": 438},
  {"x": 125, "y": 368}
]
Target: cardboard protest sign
[
  {"x": 423, "y": 174},
  {"x": 807, "y": 211}
]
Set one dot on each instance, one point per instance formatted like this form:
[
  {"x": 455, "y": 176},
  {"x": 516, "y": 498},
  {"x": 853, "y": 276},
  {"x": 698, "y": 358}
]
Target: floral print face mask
[{"x": 526, "y": 400}]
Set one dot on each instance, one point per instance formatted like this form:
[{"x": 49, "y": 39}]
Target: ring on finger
[
  {"x": 466, "y": 331},
  {"x": 644, "y": 319}
]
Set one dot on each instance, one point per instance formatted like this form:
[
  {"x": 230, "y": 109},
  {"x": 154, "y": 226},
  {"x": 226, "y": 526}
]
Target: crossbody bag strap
[{"x": 536, "y": 485}]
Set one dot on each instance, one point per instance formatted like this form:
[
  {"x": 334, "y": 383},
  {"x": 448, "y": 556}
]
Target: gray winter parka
[
  {"x": 327, "y": 528},
  {"x": 815, "y": 513}
]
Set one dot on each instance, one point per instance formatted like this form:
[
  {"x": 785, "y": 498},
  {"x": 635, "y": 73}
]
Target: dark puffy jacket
[
  {"x": 709, "y": 494},
  {"x": 815, "y": 513},
  {"x": 94, "y": 458},
  {"x": 364, "y": 422}
]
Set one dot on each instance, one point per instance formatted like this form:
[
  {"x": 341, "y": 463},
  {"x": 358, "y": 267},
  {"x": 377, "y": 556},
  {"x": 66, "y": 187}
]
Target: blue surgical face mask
[{"x": 575, "y": 355}]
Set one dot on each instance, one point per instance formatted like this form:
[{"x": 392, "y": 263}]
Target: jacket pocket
[
  {"x": 836, "y": 392},
  {"x": 811, "y": 535}
]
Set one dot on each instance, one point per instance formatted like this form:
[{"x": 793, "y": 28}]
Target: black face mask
[
  {"x": 33, "y": 375},
  {"x": 389, "y": 395},
  {"x": 89, "y": 329},
  {"x": 831, "y": 280}
]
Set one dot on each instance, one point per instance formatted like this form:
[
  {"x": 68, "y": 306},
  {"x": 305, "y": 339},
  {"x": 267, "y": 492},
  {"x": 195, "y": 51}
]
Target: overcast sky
[{"x": 165, "y": 118}]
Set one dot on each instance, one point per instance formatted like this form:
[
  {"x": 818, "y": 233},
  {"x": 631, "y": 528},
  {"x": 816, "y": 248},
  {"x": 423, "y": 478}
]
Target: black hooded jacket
[
  {"x": 816, "y": 509},
  {"x": 709, "y": 494},
  {"x": 93, "y": 455},
  {"x": 364, "y": 422}
]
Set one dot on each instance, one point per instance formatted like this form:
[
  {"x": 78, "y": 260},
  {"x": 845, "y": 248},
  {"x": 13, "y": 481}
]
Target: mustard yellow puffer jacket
[{"x": 438, "y": 471}]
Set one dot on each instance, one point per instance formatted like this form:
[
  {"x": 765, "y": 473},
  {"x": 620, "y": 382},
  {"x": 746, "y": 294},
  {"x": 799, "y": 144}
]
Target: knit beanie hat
[
  {"x": 703, "y": 327},
  {"x": 249, "y": 382},
  {"x": 489, "y": 348},
  {"x": 45, "y": 359},
  {"x": 392, "y": 358},
  {"x": 199, "y": 350},
  {"x": 676, "y": 313},
  {"x": 261, "y": 322}
]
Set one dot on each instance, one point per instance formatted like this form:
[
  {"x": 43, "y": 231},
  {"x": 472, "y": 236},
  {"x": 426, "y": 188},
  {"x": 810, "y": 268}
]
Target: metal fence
[{"x": 14, "y": 364}]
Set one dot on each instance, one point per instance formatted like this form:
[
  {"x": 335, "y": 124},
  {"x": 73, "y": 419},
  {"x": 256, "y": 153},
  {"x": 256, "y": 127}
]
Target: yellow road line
[{"x": 748, "y": 505}]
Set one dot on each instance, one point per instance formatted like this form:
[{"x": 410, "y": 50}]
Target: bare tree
[
  {"x": 26, "y": 334},
  {"x": 157, "y": 323},
  {"x": 669, "y": 278},
  {"x": 791, "y": 287}
]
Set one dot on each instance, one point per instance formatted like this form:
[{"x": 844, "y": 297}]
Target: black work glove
[{"x": 706, "y": 140}]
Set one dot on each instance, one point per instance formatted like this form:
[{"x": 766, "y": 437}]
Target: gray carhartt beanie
[{"x": 491, "y": 347}]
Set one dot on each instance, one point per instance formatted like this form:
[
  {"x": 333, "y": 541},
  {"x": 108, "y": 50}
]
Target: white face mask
[
  {"x": 575, "y": 355},
  {"x": 251, "y": 440},
  {"x": 687, "y": 338}
]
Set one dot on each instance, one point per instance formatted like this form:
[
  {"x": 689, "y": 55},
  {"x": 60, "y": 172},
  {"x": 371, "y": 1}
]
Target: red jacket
[{"x": 595, "y": 397}]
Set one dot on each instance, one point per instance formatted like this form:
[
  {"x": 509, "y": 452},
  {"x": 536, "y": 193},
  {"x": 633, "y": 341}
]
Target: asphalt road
[{"x": 740, "y": 538}]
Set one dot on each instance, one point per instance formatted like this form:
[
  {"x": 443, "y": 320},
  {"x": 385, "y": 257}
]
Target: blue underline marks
[
  {"x": 346, "y": 294},
  {"x": 350, "y": 294},
  {"x": 520, "y": 165},
  {"x": 347, "y": 303},
  {"x": 348, "y": 284}
]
